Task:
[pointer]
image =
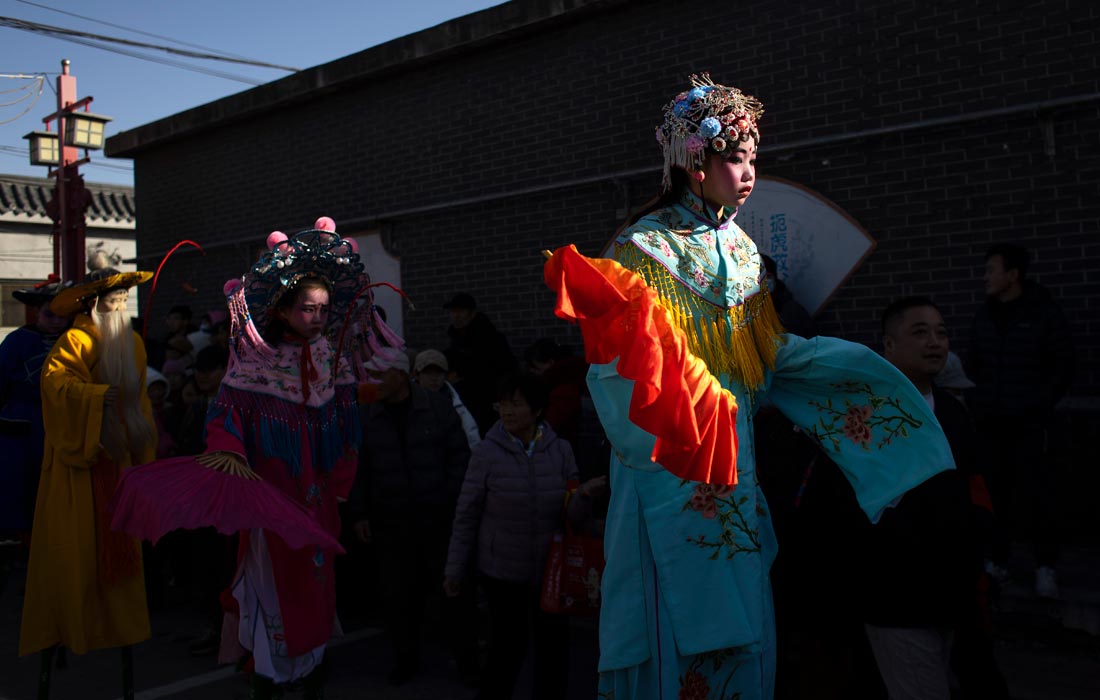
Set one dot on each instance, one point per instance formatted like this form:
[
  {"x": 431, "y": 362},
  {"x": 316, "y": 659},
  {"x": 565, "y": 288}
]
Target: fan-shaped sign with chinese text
[{"x": 815, "y": 245}]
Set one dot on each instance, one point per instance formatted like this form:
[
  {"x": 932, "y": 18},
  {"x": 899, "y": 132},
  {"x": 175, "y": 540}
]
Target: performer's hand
[
  {"x": 229, "y": 463},
  {"x": 110, "y": 397},
  {"x": 452, "y": 587},
  {"x": 593, "y": 487},
  {"x": 362, "y": 530}
]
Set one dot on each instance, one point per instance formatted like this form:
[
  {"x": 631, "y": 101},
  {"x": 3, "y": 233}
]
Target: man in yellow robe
[{"x": 85, "y": 588}]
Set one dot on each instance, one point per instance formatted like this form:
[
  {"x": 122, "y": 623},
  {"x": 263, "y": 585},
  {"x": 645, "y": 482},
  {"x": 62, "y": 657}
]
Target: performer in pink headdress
[
  {"x": 287, "y": 409},
  {"x": 286, "y": 415}
]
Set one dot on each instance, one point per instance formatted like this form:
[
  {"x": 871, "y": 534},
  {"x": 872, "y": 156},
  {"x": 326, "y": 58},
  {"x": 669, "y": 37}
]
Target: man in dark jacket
[
  {"x": 480, "y": 353},
  {"x": 411, "y": 465},
  {"x": 1021, "y": 359},
  {"x": 924, "y": 563}
]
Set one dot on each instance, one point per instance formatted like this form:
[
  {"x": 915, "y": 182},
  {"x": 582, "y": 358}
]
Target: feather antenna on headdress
[
  {"x": 156, "y": 276},
  {"x": 387, "y": 333}
]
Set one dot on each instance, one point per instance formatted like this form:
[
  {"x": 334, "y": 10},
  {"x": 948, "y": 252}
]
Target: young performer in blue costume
[{"x": 687, "y": 609}]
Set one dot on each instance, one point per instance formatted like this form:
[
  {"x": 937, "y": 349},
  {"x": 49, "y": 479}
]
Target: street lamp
[
  {"x": 44, "y": 148},
  {"x": 85, "y": 130},
  {"x": 81, "y": 130}
]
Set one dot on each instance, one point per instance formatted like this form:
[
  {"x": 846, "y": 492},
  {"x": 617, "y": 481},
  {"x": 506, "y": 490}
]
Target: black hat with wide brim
[{"x": 38, "y": 295}]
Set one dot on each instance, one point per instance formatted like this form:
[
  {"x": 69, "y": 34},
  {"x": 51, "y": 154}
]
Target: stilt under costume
[{"x": 685, "y": 345}]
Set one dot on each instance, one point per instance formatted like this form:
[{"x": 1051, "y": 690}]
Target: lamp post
[{"x": 80, "y": 130}]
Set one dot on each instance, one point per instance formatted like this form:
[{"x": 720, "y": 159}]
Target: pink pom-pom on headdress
[
  {"x": 231, "y": 286},
  {"x": 275, "y": 238},
  {"x": 325, "y": 224},
  {"x": 353, "y": 244}
]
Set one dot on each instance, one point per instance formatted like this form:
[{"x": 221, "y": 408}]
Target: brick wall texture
[{"x": 473, "y": 162}]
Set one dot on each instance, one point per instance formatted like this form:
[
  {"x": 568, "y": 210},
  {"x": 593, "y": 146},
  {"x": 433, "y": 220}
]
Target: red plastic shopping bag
[{"x": 574, "y": 570}]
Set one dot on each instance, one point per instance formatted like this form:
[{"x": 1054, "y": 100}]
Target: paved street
[
  {"x": 164, "y": 669},
  {"x": 1045, "y": 649}
]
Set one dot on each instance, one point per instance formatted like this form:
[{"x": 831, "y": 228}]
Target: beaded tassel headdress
[
  {"x": 706, "y": 117},
  {"x": 317, "y": 252}
]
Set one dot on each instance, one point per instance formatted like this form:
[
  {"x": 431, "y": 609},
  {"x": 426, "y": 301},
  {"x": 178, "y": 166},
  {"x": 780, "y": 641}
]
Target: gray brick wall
[{"x": 577, "y": 100}]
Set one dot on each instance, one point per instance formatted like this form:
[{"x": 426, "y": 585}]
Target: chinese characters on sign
[{"x": 815, "y": 245}]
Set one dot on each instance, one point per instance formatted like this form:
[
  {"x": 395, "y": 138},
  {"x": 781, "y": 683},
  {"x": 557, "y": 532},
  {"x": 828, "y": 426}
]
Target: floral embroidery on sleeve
[
  {"x": 858, "y": 422},
  {"x": 723, "y": 665},
  {"x": 721, "y": 503},
  {"x": 693, "y": 686}
]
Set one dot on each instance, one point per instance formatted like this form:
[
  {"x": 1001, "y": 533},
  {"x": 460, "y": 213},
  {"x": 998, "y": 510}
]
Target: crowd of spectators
[{"x": 468, "y": 457}]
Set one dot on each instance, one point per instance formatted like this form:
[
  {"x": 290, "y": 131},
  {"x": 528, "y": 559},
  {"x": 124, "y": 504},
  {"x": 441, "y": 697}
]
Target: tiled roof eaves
[{"x": 27, "y": 197}]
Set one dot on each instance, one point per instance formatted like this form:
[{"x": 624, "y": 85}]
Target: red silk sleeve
[{"x": 675, "y": 397}]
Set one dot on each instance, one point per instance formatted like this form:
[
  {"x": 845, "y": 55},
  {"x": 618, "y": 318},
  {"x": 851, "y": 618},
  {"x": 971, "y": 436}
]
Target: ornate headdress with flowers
[
  {"x": 317, "y": 252},
  {"x": 354, "y": 324},
  {"x": 708, "y": 116},
  {"x": 321, "y": 375}
]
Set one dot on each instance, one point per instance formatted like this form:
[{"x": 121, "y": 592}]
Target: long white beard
[{"x": 117, "y": 368}]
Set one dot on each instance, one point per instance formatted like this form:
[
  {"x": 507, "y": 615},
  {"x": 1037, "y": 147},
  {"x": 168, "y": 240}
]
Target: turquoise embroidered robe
[{"x": 686, "y": 593}]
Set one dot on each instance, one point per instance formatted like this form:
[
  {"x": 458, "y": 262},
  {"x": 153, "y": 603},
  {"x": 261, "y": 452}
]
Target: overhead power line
[
  {"x": 129, "y": 29},
  {"x": 162, "y": 61},
  {"x": 32, "y": 91},
  {"x": 51, "y": 30}
]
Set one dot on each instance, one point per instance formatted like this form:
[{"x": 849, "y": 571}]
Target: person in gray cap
[
  {"x": 430, "y": 372},
  {"x": 412, "y": 461}
]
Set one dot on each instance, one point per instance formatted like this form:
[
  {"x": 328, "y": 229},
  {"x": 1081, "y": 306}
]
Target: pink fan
[{"x": 169, "y": 494}]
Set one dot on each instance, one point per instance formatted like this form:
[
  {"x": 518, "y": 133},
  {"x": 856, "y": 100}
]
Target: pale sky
[{"x": 134, "y": 91}]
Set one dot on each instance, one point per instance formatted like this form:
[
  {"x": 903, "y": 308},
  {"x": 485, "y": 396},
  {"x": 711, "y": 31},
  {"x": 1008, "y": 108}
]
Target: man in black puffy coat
[
  {"x": 480, "y": 354},
  {"x": 412, "y": 461},
  {"x": 1021, "y": 358}
]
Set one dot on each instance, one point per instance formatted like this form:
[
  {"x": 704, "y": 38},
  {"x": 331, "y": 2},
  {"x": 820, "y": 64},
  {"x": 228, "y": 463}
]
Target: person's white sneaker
[
  {"x": 998, "y": 573},
  {"x": 1046, "y": 582}
]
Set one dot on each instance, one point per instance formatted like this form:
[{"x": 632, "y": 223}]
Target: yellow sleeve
[{"x": 72, "y": 405}]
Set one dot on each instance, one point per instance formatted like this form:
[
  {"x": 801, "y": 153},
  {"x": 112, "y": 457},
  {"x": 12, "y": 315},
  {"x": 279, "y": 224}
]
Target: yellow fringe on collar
[{"x": 740, "y": 341}]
